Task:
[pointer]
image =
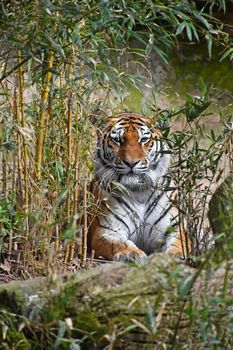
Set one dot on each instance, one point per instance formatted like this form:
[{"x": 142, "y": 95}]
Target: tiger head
[{"x": 131, "y": 152}]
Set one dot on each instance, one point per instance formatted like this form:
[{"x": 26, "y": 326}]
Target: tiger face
[{"x": 131, "y": 152}]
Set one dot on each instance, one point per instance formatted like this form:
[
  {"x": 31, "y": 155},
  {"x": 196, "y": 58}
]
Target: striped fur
[{"x": 132, "y": 192}]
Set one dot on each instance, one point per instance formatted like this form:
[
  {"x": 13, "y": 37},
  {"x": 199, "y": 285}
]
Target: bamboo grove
[
  {"x": 40, "y": 185},
  {"x": 59, "y": 61}
]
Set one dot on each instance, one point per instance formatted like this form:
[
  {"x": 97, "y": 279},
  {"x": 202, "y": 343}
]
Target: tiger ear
[
  {"x": 150, "y": 120},
  {"x": 98, "y": 118}
]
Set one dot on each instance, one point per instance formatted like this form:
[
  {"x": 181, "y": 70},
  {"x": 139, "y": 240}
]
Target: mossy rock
[{"x": 162, "y": 304}]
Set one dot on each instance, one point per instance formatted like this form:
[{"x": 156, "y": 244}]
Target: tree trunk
[{"x": 160, "y": 305}]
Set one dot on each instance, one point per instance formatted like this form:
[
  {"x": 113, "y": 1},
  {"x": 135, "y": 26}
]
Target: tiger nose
[{"x": 131, "y": 163}]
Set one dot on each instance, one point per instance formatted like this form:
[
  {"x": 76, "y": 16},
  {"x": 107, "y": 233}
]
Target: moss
[
  {"x": 88, "y": 321},
  {"x": 134, "y": 100},
  {"x": 16, "y": 340},
  {"x": 13, "y": 301},
  {"x": 216, "y": 73},
  {"x": 193, "y": 63}
]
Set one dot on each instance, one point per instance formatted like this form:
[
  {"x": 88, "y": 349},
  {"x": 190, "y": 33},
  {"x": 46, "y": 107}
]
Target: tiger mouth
[
  {"x": 135, "y": 179},
  {"x": 131, "y": 172}
]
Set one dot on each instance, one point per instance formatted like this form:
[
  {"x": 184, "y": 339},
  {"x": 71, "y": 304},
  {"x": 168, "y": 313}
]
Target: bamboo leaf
[
  {"x": 203, "y": 20},
  {"x": 189, "y": 31},
  {"x": 227, "y": 53},
  {"x": 209, "y": 39}
]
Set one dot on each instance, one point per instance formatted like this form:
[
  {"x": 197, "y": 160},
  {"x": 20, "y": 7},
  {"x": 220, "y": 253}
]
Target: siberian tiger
[{"x": 135, "y": 214}]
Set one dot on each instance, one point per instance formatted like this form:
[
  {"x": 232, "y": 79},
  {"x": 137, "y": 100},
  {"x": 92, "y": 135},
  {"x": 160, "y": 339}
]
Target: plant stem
[
  {"x": 18, "y": 141},
  {"x": 76, "y": 176},
  {"x": 69, "y": 135},
  {"x": 23, "y": 124},
  {"x": 85, "y": 229},
  {"x": 44, "y": 101}
]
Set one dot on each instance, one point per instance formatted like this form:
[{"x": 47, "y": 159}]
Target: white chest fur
[{"x": 142, "y": 218}]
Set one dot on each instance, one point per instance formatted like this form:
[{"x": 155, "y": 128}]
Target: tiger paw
[
  {"x": 177, "y": 253},
  {"x": 130, "y": 254}
]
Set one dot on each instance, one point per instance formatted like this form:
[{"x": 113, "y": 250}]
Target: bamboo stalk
[
  {"x": 76, "y": 176},
  {"x": 13, "y": 178},
  {"x": 18, "y": 141},
  {"x": 69, "y": 162},
  {"x": 44, "y": 101},
  {"x": 80, "y": 244},
  {"x": 69, "y": 135},
  {"x": 48, "y": 118},
  {"x": 230, "y": 151},
  {"x": 10, "y": 243},
  {"x": 84, "y": 257},
  {"x": 4, "y": 175},
  {"x": 57, "y": 240},
  {"x": 67, "y": 251},
  {"x": 23, "y": 124}
]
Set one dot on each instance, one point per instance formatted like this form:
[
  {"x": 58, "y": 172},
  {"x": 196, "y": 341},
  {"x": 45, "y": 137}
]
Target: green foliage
[
  {"x": 94, "y": 30},
  {"x": 91, "y": 41},
  {"x": 198, "y": 163}
]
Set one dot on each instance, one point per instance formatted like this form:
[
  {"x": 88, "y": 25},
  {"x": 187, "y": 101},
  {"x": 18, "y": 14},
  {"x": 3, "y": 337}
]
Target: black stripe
[
  {"x": 175, "y": 224},
  {"x": 119, "y": 128},
  {"x": 132, "y": 120},
  {"x": 121, "y": 220},
  {"x": 104, "y": 150},
  {"x": 153, "y": 204},
  {"x": 150, "y": 147},
  {"x": 120, "y": 200},
  {"x": 103, "y": 162},
  {"x": 157, "y": 159},
  {"x": 139, "y": 123},
  {"x": 132, "y": 211},
  {"x": 118, "y": 218},
  {"x": 164, "y": 213},
  {"x": 153, "y": 192},
  {"x": 123, "y": 123},
  {"x": 106, "y": 228},
  {"x": 166, "y": 183}
]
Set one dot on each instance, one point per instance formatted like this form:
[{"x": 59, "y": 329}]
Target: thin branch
[{"x": 17, "y": 66}]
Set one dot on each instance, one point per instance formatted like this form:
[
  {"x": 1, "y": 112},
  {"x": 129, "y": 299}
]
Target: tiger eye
[
  {"x": 116, "y": 140},
  {"x": 145, "y": 140}
]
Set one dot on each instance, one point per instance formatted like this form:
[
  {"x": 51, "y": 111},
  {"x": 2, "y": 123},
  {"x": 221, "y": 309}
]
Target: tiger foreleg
[
  {"x": 177, "y": 245},
  {"x": 115, "y": 247}
]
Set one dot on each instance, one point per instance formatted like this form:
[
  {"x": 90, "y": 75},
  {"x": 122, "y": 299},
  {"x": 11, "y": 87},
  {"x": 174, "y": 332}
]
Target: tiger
[{"x": 136, "y": 216}]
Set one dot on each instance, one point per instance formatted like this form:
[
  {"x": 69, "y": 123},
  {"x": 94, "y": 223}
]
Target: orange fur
[{"x": 130, "y": 150}]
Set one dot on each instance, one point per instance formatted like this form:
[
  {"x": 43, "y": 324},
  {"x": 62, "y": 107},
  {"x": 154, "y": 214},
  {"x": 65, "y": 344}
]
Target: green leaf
[
  {"x": 61, "y": 333},
  {"x": 203, "y": 87},
  {"x": 57, "y": 47},
  {"x": 202, "y": 19},
  {"x": 228, "y": 52},
  {"x": 74, "y": 346},
  {"x": 209, "y": 39},
  {"x": 185, "y": 285},
  {"x": 189, "y": 31},
  {"x": 180, "y": 28},
  {"x": 194, "y": 31},
  {"x": 151, "y": 319}
]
